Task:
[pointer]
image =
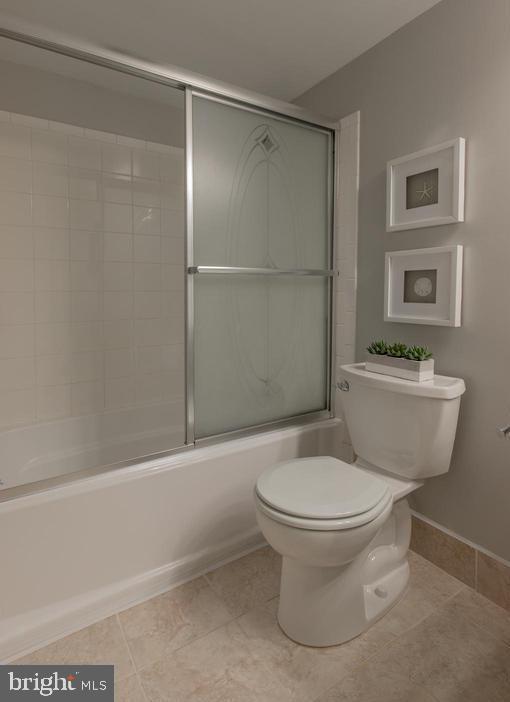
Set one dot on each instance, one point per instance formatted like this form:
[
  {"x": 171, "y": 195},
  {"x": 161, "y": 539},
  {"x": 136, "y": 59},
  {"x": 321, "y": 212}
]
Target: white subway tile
[
  {"x": 15, "y": 175},
  {"x": 172, "y": 278},
  {"x": 118, "y": 247},
  {"x": 116, "y": 159},
  {"x": 87, "y": 366},
  {"x": 146, "y": 192},
  {"x": 16, "y": 275},
  {"x": 147, "y": 276},
  {"x": 53, "y": 402},
  {"x": 86, "y": 306},
  {"x": 48, "y": 211},
  {"x": 52, "y": 275},
  {"x": 146, "y": 220},
  {"x": 49, "y": 147},
  {"x": 173, "y": 197},
  {"x": 172, "y": 166},
  {"x": 86, "y": 214},
  {"x": 5, "y": 116},
  {"x": 173, "y": 384},
  {"x": 51, "y": 243},
  {"x": 117, "y": 188},
  {"x": 147, "y": 249},
  {"x": 87, "y": 398},
  {"x": 118, "y": 305},
  {"x": 84, "y": 184},
  {"x": 99, "y": 136},
  {"x": 131, "y": 142},
  {"x": 118, "y": 333},
  {"x": 86, "y": 275},
  {"x": 172, "y": 223},
  {"x": 17, "y": 373},
  {"x": 16, "y": 242},
  {"x": 147, "y": 305},
  {"x": 53, "y": 338},
  {"x": 118, "y": 362},
  {"x": 14, "y": 140},
  {"x": 15, "y": 209},
  {"x": 84, "y": 153},
  {"x": 53, "y": 306},
  {"x": 118, "y": 217},
  {"x": 16, "y": 407},
  {"x": 149, "y": 388},
  {"x": 29, "y": 121},
  {"x": 16, "y": 307},
  {"x": 172, "y": 250},
  {"x": 50, "y": 179},
  {"x": 86, "y": 246},
  {"x": 118, "y": 275},
  {"x": 87, "y": 336},
  {"x": 54, "y": 369},
  {"x": 119, "y": 392},
  {"x": 17, "y": 340},
  {"x": 146, "y": 164}
]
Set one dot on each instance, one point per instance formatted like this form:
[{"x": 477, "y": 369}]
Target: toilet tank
[{"x": 404, "y": 427}]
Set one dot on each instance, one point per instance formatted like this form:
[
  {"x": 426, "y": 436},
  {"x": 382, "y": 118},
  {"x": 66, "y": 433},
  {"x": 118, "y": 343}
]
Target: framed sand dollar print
[
  {"x": 424, "y": 286},
  {"x": 426, "y": 188}
]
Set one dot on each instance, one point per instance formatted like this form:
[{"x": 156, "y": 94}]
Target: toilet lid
[{"x": 320, "y": 488}]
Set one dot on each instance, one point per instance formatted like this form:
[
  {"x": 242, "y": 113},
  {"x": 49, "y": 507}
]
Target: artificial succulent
[
  {"x": 418, "y": 353},
  {"x": 380, "y": 348},
  {"x": 397, "y": 350}
]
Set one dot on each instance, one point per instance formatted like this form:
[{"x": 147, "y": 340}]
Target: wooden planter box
[{"x": 400, "y": 367}]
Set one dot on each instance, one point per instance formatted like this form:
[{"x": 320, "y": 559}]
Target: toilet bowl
[{"x": 343, "y": 530}]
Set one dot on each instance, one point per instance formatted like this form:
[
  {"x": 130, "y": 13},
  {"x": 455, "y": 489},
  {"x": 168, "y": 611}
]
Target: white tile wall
[
  {"x": 91, "y": 271},
  {"x": 346, "y": 244}
]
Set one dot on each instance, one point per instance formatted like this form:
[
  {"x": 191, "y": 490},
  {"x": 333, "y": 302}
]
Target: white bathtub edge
[{"x": 28, "y": 632}]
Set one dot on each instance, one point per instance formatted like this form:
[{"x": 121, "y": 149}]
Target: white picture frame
[
  {"x": 424, "y": 286},
  {"x": 443, "y": 166}
]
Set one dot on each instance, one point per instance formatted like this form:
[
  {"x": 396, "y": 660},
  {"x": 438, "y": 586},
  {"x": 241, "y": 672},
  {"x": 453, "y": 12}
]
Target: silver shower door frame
[{"x": 195, "y": 84}]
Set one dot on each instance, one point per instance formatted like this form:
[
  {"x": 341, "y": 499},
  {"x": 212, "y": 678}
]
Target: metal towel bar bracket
[{"x": 237, "y": 270}]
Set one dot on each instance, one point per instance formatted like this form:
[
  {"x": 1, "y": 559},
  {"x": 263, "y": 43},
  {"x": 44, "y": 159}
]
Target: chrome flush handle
[{"x": 343, "y": 385}]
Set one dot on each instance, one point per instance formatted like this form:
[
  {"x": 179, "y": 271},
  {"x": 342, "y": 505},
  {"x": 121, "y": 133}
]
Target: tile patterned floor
[{"x": 216, "y": 639}]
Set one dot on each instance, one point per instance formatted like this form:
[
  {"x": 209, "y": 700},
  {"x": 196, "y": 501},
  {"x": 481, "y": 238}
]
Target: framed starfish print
[{"x": 426, "y": 189}]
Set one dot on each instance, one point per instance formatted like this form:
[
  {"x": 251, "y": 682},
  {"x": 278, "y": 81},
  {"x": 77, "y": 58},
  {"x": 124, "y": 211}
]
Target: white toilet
[{"x": 344, "y": 529}]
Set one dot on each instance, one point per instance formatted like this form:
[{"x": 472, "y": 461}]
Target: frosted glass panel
[{"x": 261, "y": 200}]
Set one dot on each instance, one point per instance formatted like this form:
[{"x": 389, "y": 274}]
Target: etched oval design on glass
[{"x": 262, "y": 233}]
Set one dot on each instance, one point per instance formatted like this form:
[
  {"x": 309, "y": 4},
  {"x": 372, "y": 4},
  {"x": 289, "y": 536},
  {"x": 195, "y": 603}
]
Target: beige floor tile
[
  {"x": 493, "y": 580},
  {"x": 452, "y": 658},
  {"x": 101, "y": 643},
  {"x": 129, "y": 690},
  {"x": 428, "y": 588},
  {"x": 483, "y": 612},
  {"x": 159, "y": 626},
  {"x": 249, "y": 581},
  {"x": 215, "y": 668},
  {"x": 305, "y": 672},
  {"x": 371, "y": 683}
]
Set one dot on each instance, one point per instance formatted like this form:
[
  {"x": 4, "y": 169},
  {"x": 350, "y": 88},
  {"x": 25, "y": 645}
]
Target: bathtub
[{"x": 76, "y": 552}]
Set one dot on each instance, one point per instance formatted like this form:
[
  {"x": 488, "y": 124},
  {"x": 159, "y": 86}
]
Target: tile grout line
[{"x": 131, "y": 658}]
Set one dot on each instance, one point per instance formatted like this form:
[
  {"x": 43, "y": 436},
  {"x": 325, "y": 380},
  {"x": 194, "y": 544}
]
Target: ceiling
[{"x": 276, "y": 47}]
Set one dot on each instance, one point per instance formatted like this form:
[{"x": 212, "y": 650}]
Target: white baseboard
[{"x": 26, "y": 633}]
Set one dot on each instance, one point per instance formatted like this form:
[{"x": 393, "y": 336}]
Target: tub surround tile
[
  {"x": 493, "y": 579},
  {"x": 156, "y": 628},
  {"x": 101, "y": 643},
  {"x": 447, "y": 552},
  {"x": 215, "y": 668},
  {"x": 248, "y": 581}
]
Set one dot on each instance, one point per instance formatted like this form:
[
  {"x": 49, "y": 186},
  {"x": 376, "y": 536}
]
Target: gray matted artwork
[
  {"x": 422, "y": 189},
  {"x": 420, "y": 286}
]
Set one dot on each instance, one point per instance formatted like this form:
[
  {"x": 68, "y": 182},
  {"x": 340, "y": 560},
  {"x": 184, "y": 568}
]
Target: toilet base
[{"x": 328, "y": 606}]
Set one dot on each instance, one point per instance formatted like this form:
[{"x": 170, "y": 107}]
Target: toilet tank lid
[
  {"x": 321, "y": 487},
  {"x": 441, "y": 386}
]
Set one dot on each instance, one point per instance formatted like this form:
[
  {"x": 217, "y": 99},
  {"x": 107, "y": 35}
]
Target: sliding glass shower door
[{"x": 259, "y": 260}]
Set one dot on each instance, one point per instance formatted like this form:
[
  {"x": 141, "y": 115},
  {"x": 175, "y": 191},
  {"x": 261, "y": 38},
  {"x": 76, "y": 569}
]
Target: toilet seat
[{"x": 321, "y": 494}]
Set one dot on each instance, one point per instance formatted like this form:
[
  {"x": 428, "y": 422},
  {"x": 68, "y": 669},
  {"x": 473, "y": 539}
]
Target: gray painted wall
[
  {"x": 446, "y": 74},
  {"x": 29, "y": 91}
]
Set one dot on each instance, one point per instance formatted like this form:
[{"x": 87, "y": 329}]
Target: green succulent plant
[
  {"x": 418, "y": 353},
  {"x": 380, "y": 348},
  {"x": 397, "y": 350}
]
